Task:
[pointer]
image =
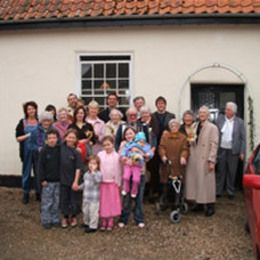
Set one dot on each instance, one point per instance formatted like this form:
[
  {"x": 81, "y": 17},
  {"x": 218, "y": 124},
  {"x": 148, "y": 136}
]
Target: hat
[{"x": 140, "y": 136}]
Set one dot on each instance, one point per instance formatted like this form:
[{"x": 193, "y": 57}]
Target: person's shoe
[
  {"x": 26, "y": 198},
  {"x": 47, "y": 226},
  {"x": 133, "y": 196},
  {"x": 84, "y": 225},
  {"x": 121, "y": 224},
  {"x": 64, "y": 223},
  {"x": 38, "y": 196},
  {"x": 73, "y": 222},
  {"x": 109, "y": 228},
  {"x": 218, "y": 195},
  {"x": 141, "y": 225},
  {"x": 90, "y": 230},
  {"x": 56, "y": 225},
  {"x": 102, "y": 228},
  {"x": 197, "y": 208},
  {"x": 210, "y": 210},
  {"x": 123, "y": 192}
]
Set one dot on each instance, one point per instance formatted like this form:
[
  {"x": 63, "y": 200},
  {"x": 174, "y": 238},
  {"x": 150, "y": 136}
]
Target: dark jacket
[
  {"x": 49, "y": 164},
  {"x": 167, "y": 116},
  {"x": 19, "y": 131},
  {"x": 81, "y": 131}
]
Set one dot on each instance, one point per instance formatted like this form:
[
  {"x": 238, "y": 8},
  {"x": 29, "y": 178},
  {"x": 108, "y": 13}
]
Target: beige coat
[{"x": 200, "y": 183}]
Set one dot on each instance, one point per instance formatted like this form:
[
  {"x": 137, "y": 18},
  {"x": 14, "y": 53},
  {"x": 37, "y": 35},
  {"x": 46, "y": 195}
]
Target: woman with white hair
[
  {"x": 115, "y": 121},
  {"x": 200, "y": 174},
  {"x": 173, "y": 147},
  {"x": 97, "y": 123},
  {"x": 63, "y": 122},
  {"x": 37, "y": 140}
]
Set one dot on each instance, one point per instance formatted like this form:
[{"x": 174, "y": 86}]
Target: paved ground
[{"x": 196, "y": 237}]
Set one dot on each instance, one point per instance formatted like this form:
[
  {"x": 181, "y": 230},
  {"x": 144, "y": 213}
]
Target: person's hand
[
  {"x": 28, "y": 135},
  {"x": 164, "y": 159},
  {"x": 75, "y": 186},
  {"x": 44, "y": 184},
  {"x": 211, "y": 166},
  {"x": 78, "y": 149},
  {"x": 242, "y": 157},
  {"x": 183, "y": 161}
]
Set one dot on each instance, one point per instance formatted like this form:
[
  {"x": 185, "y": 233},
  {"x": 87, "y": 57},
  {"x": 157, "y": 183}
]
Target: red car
[{"x": 251, "y": 183}]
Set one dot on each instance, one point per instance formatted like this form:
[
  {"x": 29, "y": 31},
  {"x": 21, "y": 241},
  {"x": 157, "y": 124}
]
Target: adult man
[
  {"x": 112, "y": 102},
  {"x": 159, "y": 122},
  {"x": 72, "y": 100},
  {"x": 132, "y": 121},
  {"x": 139, "y": 102},
  {"x": 232, "y": 148}
]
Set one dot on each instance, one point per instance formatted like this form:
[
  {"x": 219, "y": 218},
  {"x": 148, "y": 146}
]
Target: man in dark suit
[
  {"x": 232, "y": 148},
  {"x": 160, "y": 120},
  {"x": 112, "y": 102}
]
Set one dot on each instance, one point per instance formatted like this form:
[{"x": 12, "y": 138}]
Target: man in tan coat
[{"x": 200, "y": 174}]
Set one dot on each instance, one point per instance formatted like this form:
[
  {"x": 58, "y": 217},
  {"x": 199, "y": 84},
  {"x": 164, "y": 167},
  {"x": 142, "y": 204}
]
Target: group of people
[{"x": 113, "y": 155}]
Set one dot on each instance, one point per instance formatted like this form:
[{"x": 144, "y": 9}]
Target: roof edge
[{"x": 133, "y": 20}]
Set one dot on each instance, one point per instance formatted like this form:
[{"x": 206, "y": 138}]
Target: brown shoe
[
  {"x": 64, "y": 223},
  {"x": 73, "y": 222}
]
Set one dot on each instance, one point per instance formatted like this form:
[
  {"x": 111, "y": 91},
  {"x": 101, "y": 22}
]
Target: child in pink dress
[{"x": 110, "y": 167}]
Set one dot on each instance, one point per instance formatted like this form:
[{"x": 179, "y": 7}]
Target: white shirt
[{"x": 227, "y": 132}]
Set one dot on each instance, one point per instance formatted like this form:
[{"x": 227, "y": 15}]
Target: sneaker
[
  {"x": 26, "y": 198},
  {"x": 64, "y": 223},
  {"x": 102, "y": 228},
  {"x": 90, "y": 230},
  {"x": 121, "y": 224},
  {"x": 141, "y": 225},
  {"x": 109, "y": 228},
  {"x": 73, "y": 222},
  {"x": 123, "y": 193},
  {"x": 84, "y": 225},
  {"x": 133, "y": 196}
]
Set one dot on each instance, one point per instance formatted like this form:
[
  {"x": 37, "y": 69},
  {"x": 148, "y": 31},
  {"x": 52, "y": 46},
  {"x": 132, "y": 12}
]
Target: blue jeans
[
  {"x": 138, "y": 208},
  {"x": 29, "y": 163}
]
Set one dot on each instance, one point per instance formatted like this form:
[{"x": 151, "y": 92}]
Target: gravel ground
[{"x": 195, "y": 237}]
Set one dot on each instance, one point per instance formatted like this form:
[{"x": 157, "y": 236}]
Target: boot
[
  {"x": 26, "y": 198},
  {"x": 209, "y": 210}
]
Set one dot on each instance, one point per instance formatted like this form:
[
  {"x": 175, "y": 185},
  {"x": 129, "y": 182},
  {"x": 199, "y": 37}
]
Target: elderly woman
[
  {"x": 200, "y": 174},
  {"x": 115, "y": 121},
  {"x": 97, "y": 123},
  {"x": 173, "y": 147},
  {"x": 188, "y": 126},
  {"x": 23, "y": 133},
  {"x": 63, "y": 122},
  {"x": 37, "y": 141}
]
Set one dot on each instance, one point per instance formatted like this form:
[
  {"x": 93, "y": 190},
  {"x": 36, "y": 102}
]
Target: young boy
[{"x": 49, "y": 172}]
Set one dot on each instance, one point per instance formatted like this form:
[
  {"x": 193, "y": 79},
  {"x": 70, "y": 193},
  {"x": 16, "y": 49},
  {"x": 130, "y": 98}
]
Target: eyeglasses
[{"x": 132, "y": 114}]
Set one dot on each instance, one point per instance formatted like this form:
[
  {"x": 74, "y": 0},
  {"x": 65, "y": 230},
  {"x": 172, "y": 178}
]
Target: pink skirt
[{"x": 110, "y": 201}]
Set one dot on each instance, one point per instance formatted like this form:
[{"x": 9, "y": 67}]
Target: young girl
[
  {"x": 90, "y": 187},
  {"x": 129, "y": 135},
  {"x": 70, "y": 169},
  {"x": 134, "y": 155},
  {"x": 110, "y": 203}
]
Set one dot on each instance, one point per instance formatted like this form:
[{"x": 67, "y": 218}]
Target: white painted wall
[{"x": 42, "y": 66}]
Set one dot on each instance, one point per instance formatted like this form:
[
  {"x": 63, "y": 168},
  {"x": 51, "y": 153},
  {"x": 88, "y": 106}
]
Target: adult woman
[
  {"x": 115, "y": 121},
  {"x": 23, "y": 132},
  {"x": 188, "y": 126},
  {"x": 85, "y": 132},
  {"x": 200, "y": 174},
  {"x": 53, "y": 110},
  {"x": 173, "y": 147},
  {"x": 63, "y": 122},
  {"x": 98, "y": 125}
]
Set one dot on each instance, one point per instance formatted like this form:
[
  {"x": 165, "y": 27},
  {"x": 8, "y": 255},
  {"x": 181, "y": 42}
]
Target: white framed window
[{"x": 101, "y": 74}]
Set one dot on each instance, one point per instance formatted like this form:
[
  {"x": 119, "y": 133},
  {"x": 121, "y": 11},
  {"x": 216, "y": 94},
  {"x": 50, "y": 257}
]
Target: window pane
[
  {"x": 99, "y": 70},
  {"x": 124, "y": 101},
  {"x": 86, "y": 85},
  {"x": 100, "y": 100},
  {"x": 111, "y": 84},
  {"x": 87, "y": 100},
  {"x": 123, "y": 84},
  {"x": 86, "y": 70},
  {"x": 111, "y": 70},
  {"x": 99, "y": 87},
  {"x": 123, "y": 70}
]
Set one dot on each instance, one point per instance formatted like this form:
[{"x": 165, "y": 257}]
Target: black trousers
[{"x": 68, "y": 201}]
